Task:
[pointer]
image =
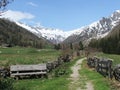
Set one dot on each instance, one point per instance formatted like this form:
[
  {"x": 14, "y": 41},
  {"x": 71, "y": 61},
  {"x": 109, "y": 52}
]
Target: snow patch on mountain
[
  {"x": 96, "y": 30},
  {"x": 53, "y": 35},
  {"x": 29, "y": 28}
]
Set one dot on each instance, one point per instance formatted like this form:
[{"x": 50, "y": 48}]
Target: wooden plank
[
  {"x": 28, "y": 67},
  {"x": 28, "y": 73}
]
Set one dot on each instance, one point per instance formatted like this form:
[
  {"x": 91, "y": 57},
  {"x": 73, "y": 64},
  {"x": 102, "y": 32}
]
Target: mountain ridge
[
  {"x": 53, "y": 35},
  {"x": 96, "y": 29}
]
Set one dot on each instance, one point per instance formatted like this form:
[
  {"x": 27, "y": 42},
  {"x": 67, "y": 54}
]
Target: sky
[{"x": 61, "y": 14}]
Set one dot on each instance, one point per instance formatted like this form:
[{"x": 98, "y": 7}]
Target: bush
[{"x": 6, "y": 84}]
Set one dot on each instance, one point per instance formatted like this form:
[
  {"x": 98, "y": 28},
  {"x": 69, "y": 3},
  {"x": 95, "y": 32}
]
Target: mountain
[
  {"x": 97, "y": 29},
  {"x": 53, "y": 35},
  {"x": 13, "y": 35},
  {"x": 110, "y": 43}
]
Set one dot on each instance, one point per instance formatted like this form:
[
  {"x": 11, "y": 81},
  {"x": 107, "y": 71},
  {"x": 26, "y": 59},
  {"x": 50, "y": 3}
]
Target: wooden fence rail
[
  {"x": 116, "y": 72},
  {"x": 101, "y": 65}
]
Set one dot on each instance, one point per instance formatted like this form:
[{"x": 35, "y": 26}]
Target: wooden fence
[
  {"x": 116, "y": 72},
  {"x": 101, "y": 65}
]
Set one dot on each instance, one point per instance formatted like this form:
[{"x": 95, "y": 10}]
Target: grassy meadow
[
  {"x": 42, "y": 84},
  {"x": 18, "y": 55},
  {"x": 52, "y": 83}
]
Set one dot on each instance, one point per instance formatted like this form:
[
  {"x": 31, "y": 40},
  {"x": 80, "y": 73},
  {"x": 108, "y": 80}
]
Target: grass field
[
  {"x": 17, "y": 55},
  {"x": 42, "y": 84},
  {"x": 54, "y": 83}
]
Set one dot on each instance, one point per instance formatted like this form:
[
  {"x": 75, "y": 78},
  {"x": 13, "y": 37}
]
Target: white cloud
[
  {"x": 32, "y": 4},
  {"x": 17, "y": 15}
]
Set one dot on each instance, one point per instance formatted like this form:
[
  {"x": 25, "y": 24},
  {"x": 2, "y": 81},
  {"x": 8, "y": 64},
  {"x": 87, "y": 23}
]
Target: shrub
[{"x": 6, "y": 84}]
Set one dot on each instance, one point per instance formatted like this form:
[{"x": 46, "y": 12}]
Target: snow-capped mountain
[
  {"x": 29, "y": 28},
  {"x": 53, "y": 35},
  {"x": 97, "y": 29}
]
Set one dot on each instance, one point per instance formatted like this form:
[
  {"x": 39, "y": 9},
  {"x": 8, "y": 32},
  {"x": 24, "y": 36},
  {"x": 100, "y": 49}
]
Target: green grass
[
  {"x": 42, "y": 84},
  {"x": 99, "y": 82},
  {"x": 18, "y": 55},
  {"x": 55, "y": 83},
  {"x": 116, "y": 58}
]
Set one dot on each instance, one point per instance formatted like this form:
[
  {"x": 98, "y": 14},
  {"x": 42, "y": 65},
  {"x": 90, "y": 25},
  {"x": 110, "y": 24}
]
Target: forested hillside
[
  {"x": 14, "y": 35},
  {"x": 110, "y": 43}
]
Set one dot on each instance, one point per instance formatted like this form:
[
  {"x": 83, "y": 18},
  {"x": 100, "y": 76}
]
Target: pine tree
[{"x": 80, "y": 46}]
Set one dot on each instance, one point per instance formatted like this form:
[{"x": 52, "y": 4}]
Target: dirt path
[{"x": 78, "y": 81}]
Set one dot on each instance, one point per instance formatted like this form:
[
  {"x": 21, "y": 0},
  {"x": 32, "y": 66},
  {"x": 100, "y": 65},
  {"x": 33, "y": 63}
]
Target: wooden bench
[{"x": 17, "y": 71}]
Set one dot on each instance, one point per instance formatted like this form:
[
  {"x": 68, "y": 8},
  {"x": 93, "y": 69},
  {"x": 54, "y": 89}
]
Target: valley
[
  {"x": 84, "y": 54},
  {"x": 97, "y": 29},
  {"x": 86, "y": 76}
]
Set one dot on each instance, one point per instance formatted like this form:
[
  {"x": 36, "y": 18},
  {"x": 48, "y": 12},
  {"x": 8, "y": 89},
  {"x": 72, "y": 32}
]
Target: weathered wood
[
  {"x": 28, "y": 67},
  {"x": 116, "y": 72},
  {"x": 104, "y": 66},
  {"x": 27, "y": 70},
  {"x": 101, "y": 65},
  {"x": 29, "y": 73}
]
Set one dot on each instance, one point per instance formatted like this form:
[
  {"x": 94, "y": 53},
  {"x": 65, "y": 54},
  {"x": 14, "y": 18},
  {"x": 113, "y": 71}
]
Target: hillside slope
[
  {"x": 13, "y": 35},
  {"x": 110, "y": 43}
]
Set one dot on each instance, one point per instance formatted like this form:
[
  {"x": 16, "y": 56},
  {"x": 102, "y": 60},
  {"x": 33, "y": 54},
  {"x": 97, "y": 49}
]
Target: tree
[
  {"x": 57, "y": 47},
  {"x": 80, "y": 46},
  {"x": 71, "y": 46},
  {"x": 118, "y": 48},
  {"x": 3, "y": 4}
]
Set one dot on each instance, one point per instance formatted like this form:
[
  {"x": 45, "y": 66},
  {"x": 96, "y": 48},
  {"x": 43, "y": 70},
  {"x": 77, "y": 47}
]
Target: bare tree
[{"x": 4, "y": 3}]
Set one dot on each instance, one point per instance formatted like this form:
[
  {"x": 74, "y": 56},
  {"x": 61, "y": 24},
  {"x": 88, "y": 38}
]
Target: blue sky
[{"x": 63, "y": 14}]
